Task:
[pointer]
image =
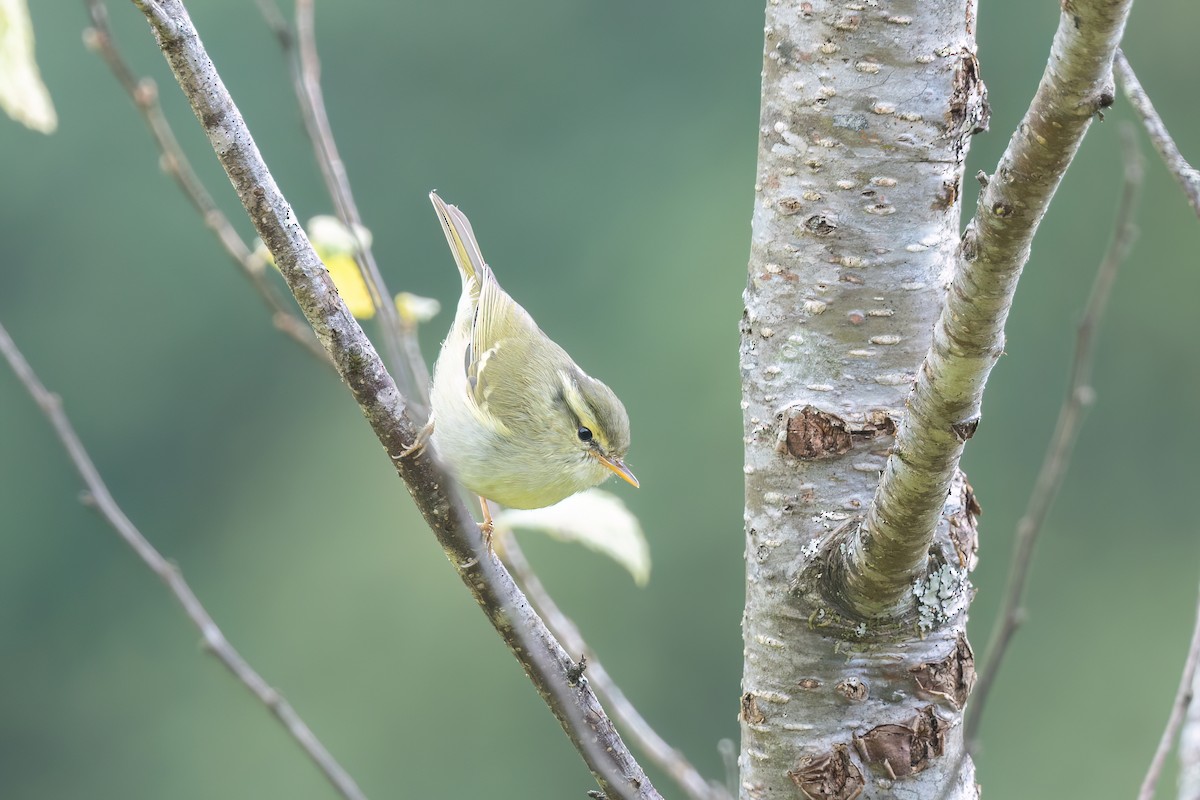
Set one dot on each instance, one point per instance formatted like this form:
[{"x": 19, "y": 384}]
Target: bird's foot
[
  {"x": 419, "y": 443},
  {"x": 487, "y": 528}
]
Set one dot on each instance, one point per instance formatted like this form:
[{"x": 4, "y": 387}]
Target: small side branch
[
  {"x": 668, "y": 759},
  {"x": 385, "y": 408},
  {"x": 214, "y": 640},
  {"x": 1189, "y": 747},
  {"x": 300, "y": 46},
  {"x": 144, "y": 94},
  {"x": 1062, "y": 442},
  {"x": 889, "y": 552},
  {"x": 1187, "y": 175},
  {"x": 1183, "y": 700}
]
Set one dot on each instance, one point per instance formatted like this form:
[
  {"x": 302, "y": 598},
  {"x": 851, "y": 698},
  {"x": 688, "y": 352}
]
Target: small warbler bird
[{"x": 514, "y": 419}]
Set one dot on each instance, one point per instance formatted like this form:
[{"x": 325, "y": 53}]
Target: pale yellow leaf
[
  {"x": 23, "y": 96},
  {"x": 328, "y": 234},
  {"x": 415, "y": 309}
]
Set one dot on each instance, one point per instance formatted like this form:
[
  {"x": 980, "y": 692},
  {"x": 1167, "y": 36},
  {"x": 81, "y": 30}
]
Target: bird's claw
[{"x": 419, "y": 443}]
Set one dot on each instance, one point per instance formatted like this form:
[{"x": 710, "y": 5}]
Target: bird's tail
[{"x": 461, "y": 239}]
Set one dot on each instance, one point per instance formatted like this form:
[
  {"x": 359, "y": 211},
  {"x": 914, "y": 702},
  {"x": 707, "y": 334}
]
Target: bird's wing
[
  {"x": 498, "y": 346},
  {"x": 498, "y": 332}
]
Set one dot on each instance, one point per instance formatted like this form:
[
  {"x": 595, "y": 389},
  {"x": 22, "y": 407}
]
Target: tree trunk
[{"x": 866, "y": 115}]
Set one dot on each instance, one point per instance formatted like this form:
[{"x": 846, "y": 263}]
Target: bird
[{"x": 513, "y": 418}]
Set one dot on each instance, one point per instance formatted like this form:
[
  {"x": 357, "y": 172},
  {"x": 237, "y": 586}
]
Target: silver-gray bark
[
  {"x": 865, "y": 119},
  {"x": 856, "y": 662}
]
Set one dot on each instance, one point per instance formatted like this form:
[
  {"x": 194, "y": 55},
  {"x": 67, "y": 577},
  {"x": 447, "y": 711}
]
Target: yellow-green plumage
[{"x": 514, "y": 418}]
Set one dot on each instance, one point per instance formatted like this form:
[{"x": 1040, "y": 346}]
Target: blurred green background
[{"x": 605, "y": 152}]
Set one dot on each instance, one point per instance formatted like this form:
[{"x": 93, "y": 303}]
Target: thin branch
[
  {"x": 214, "y": 640},
  {"x": 1187, "y": 175},
  {"x": 543, "y": 658},
  {"x": 670, "y": 760},
  {"x": 1062, "y": 442},
  {"x": 144, "y": 94},
  {"x": 1189, "y": 748},
  {"x": 890, "y": 549},
  {"x": 303, "y": 49},
  {"x": 404, "y": 354},
  {"x": 276, "y": 22},
  {"x": 1183, "y": 699}
]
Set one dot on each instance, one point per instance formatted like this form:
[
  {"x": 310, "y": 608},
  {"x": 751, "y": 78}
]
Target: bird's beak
[{"x": 617, "y": 466}]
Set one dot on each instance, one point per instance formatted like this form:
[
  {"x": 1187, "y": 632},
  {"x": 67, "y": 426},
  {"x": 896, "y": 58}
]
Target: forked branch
[
  {"x": 889, "y": 552},
  {"x": 632, "y": 722},
  {"x": 1187, "y": 175},
  {"x": 356, "y": 361},
  {"x": 1062, "y": 441},
  {"x": 300, "y": 47},
  {"x": 144, "y": 94}
]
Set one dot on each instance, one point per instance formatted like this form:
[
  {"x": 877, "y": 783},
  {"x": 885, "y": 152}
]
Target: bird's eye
[{"x": 585, "y": 434}]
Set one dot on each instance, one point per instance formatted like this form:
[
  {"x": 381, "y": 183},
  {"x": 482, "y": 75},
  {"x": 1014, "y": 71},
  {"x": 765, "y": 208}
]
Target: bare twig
[
  {"x": 385, "y": 408},
  {"x": 302, "y": 47},
  {"x": 1189, "y": 748},
  {"x": 670, "y": 760},
  {"x": 400, "y": 341},
  {"x": 276, "y": 22},
  {"x": 1183, "y": 699},
  {"x": 728, "y": 752},
  {"x": 1187, "y": 175},
  {"x": 214, "y": 640},
  {"x": 144, "y": 94},
  {"x": 889, "y": 551},
  {"x": 1066, "y": 431}
]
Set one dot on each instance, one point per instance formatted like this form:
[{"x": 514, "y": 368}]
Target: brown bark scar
[
  {"x": 750, "y": 713},
  {"x": 828, "y": 776},
  {"x": 812, "y": 433},
  {"x": 904, "y": 749},
  {"x": 950, "y": 679}
]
